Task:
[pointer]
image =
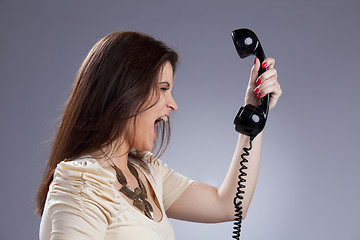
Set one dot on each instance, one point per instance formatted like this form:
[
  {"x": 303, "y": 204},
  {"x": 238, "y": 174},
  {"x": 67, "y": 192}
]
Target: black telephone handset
[{"x": 250, "y": 120}]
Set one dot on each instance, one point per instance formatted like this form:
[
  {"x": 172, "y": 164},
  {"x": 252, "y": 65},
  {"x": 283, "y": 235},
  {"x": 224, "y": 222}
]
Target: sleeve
[
  {"x": 81, "y": 201},
  {"x": 174, "y": 184}
]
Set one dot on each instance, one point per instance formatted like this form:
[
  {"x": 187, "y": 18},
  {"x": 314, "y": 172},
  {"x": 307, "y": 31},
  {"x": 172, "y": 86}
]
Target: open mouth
[
  {"x": 160, "y": 119},
  {"x": 163, "y": 118}
]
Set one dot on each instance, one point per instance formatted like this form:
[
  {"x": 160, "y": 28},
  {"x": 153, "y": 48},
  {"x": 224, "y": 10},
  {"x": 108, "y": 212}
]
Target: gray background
[{"x": 308, "y": 185}]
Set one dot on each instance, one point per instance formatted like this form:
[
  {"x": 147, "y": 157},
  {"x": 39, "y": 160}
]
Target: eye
[{"x": 164, "y": 86}]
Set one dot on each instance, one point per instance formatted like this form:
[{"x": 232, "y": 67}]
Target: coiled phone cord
[{"x": 239, "y": 197}]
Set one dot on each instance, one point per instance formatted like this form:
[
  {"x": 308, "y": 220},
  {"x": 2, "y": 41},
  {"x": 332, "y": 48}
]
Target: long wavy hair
[{"x": 113, "y": 84}]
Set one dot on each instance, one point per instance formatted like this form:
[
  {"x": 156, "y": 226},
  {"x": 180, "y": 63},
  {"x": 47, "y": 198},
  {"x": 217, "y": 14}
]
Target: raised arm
[{"x": 205, "y": 203}]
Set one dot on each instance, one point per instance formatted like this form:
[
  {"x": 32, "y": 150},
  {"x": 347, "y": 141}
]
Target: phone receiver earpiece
[
  {"x": 246, "y": 43},
  {"x": 250, "y": 120}
]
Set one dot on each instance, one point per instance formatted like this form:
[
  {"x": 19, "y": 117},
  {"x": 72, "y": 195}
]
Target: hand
[{"x": 267, "y": 83}]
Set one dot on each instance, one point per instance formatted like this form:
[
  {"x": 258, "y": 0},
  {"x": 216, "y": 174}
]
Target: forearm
[
  {"x": 205, "y": 203},
  {"x": 228, "y": 189}
]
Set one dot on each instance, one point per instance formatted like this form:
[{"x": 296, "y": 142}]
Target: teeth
[{"x": 164, "y": 118}]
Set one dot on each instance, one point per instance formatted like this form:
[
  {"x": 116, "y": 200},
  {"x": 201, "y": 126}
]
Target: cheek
[{"x": 143, "y": 128}]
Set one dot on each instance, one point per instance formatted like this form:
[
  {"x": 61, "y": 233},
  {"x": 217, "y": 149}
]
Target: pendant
[
  {"x": 142, "y": 186},
  {"x": 139, "y": 193},
  {"x": 133, "y": 171},
  {"x": 120, "y": 176},
  {"x": 127, "y": 191},
  {"x": 139, "y": 204},
  {"x": 149, "y": 212}
]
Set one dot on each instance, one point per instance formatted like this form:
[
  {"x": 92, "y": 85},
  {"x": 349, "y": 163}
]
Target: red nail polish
[
  {"x": 255, "y": 60},
  {"x": 259, "y": 95},
  {"x": 264, "y": 65},
  {"x": 256, "y": 90},
  {"x": 258, "y": 81}
]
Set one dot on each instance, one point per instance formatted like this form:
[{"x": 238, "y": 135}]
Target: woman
[{"x": 101, "y": 181}]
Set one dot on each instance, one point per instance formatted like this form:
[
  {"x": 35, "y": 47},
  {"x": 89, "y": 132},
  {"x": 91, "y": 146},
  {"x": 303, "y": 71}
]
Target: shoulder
[
  {"x": 160, "y": 168},
  {"x": 85, "y": 168},
  {"x": 84, "y": 180},
  {"x": 173, "y": 183},
  {"x": 156, "y": 165},
  {"x": 81, "y": 194}
]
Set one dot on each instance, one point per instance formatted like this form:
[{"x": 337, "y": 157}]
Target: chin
[
  {"x": 143, "y": 143},
  {"x": 145, "y": 147}
]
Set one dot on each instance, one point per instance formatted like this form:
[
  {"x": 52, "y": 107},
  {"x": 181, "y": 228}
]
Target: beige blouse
[{"x": 82, "y": 203}]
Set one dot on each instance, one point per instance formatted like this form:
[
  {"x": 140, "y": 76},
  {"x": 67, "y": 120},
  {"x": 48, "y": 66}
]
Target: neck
[
  {"x": 119, "y": 159},
  {"x": 117, "y": 152}
]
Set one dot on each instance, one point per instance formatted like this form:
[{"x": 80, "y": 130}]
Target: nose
[{"x": 172, "y": 104}]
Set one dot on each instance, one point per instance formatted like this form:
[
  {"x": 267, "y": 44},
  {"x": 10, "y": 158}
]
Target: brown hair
[{"x": 113, "y": 84}]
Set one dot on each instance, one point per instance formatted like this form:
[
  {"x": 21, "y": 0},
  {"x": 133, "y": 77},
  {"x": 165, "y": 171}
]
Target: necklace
[{"x": 139, "y": 194}]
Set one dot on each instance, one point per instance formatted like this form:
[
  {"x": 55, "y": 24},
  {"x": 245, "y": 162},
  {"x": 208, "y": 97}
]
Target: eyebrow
[{"x": 165, "y": 82}]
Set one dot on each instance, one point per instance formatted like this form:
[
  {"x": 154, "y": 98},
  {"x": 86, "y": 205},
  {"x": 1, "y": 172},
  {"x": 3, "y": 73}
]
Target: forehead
[{"x": 166, "y": 73}]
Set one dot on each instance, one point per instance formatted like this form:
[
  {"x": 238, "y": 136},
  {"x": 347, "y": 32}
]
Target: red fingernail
[
  {"x": 264, "y": 65},
  {"x": 258, "y": 81},
  {"x": 256, "y": 90},
  {"x": 255, "y": 60},
  {"x": 259, "y": 95}
]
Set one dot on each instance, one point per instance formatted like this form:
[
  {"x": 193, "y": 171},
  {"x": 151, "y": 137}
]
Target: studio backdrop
[{"x": 308, "y": 185}]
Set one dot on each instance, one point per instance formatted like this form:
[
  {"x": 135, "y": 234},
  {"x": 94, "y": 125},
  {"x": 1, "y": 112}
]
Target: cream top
[{"x": 82, "y": 203}]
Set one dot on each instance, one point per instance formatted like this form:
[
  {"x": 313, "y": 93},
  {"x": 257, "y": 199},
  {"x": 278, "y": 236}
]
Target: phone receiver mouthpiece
[{"x": 250, "y": 121}]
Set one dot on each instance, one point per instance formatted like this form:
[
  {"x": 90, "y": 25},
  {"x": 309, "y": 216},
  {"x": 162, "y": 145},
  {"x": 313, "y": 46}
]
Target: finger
[
  {"x": 271, "y": 73},
  {"x": 268, "y": 63},
  {"x": 271, "y": 86}
]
